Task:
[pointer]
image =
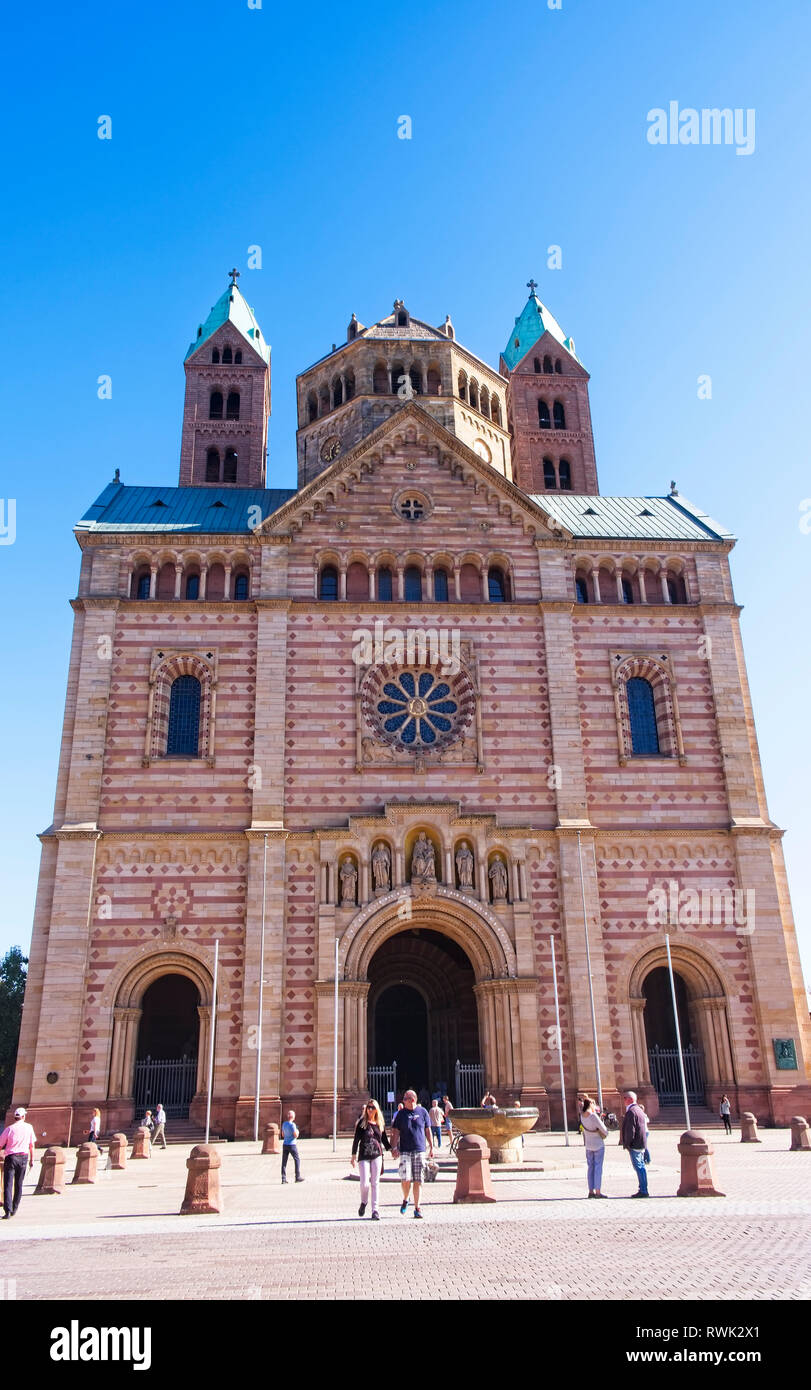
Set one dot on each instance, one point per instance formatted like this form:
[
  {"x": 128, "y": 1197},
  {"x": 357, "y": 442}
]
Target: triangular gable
[
  {"x": 546, "y": 345},
  {"x": 410, "y": 416}
]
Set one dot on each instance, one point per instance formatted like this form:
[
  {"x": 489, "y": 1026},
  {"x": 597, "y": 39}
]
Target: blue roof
[
  {"x": 232, "y": 306},
  {"x": 190, "y": 511},
  {"x": 670, "y": 518},
  {"x": 531, "y": 324}
]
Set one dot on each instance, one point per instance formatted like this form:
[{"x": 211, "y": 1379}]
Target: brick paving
[{"x": 123, "y": 1238}]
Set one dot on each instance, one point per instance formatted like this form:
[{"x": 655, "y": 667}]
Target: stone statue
[
  {"x": 381, "y": 868},
  {"x": 423, "y": 860},
  {"x": 498, "y": 878},
  {"x": 349, "y": 880},
  {"x": 464, "y": 866}
]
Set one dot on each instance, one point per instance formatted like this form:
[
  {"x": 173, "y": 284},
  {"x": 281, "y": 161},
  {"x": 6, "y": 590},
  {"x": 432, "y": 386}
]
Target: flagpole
[
  {"x": 591, "y": 985},
  {"x": 261, "y": 995},
  {"x": 678, "y": 1030},
  {"x": 335, "y": 1056},
  {"x": 211, "y": 1037},
  {"x": 560, "y": 1042}
]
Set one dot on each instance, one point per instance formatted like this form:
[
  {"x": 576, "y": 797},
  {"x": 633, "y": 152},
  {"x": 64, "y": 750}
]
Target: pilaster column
[
  {"x": 227, "y": 589},
  {"x": 153, "y": 580},
  {"x": 457, "y": 591},
  {"x": 178, "y": 579},
  {"x": 204, "y": 1014},
  {"x": 125, "y": 1035},
  {"x": 364, "y": 879},
  {"x": 450, "y": 877},
  {"x": 595, "y": 584},
  {"x": 640, "y": 1041},
  {"x": 399, "y": 590},
  {"x": 481, "y": 863},
  {"x": 643, "y": 597},
  {"x": 372, "y": 583},
  {"x": 203, "y": 578},
  {"x": 663, "y": 584},
  {"x": 485, "y": 587},
  {"x": 399, "y": 871},
  {"x": 342, "y": 581}
]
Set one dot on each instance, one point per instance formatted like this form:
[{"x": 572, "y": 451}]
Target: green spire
[
  {"x": 232, "y": 307},
  {"x": 530, "y": 326}
]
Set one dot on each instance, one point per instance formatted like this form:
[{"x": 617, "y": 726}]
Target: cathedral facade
[{"x": 444, "y": 716}]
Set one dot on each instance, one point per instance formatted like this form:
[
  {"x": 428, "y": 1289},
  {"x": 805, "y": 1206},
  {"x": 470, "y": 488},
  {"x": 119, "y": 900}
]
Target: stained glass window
[
  {"x": 642, "y": 713},
  {"x": 418, "y": 707},
  {"x": 184, "y": 717}
]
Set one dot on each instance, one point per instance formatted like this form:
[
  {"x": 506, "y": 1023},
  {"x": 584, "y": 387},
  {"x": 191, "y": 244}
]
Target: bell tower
[
  {"x": 227, "y": 405},
  {"x": 549, "y": 413}
]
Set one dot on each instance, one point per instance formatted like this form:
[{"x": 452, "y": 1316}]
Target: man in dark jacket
[{"x": 634, "y": 1138}]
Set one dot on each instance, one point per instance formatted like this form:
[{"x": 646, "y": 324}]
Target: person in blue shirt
[
  {"x": 411, "y": 1131},
  {"x": 289, "y": 1146}
]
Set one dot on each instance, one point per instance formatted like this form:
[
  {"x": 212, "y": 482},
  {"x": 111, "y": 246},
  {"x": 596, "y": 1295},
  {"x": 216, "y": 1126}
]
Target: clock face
[{"x": 331, "y": 448}]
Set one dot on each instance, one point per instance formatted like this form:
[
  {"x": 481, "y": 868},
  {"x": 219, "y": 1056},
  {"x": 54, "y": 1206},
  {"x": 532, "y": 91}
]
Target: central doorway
[
  {"x": 422, "y": 1010},
  {"x": 168, "y": 1037}
]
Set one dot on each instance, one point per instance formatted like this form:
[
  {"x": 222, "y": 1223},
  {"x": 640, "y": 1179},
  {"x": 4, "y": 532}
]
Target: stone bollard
[
  {"x": 52, "y": 1173},
  {"x": 271, "y": 1142},
  {"x": 141, "y": 1147},
  {"x": 203, "y": 1181},
  {"x": 697, "y": 1173},
  {"x": 749, "y": 1134},
  {"x": 87, "y": 1158},
  {"x": 118, "y": 1151},
  {"x": 473, "y": 1181},
  {"x": 800, "y": 1133}
]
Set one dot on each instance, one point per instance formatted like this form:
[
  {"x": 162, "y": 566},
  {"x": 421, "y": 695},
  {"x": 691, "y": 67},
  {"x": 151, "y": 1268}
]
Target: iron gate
[
  {"x": 469, "y": 1084},
  {"x": 170, "y": 1081},
  {"x": 381, "y": 1081},
  {"x": 665, "y": 1076}
]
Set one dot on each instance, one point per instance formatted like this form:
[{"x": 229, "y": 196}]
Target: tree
[{"x": 12, "y": 989}]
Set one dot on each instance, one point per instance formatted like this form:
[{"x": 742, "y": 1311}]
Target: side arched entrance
[{"x": 161, "y": 1021}]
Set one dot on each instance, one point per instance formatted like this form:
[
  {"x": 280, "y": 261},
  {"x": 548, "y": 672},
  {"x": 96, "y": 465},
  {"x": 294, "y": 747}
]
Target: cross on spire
[
  {"x": 532, "y": 286},
  {"x": 234, "y": 276}
]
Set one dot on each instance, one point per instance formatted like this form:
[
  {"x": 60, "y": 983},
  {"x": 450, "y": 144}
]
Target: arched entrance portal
[
  {"x": 422, "y": 1010},
  {"x": 168, "y": 1045},
  {"x": 662, "y": 1042}
]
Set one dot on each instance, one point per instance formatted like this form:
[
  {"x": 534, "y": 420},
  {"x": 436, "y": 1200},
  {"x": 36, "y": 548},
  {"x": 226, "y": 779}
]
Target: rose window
[{"x": 417, "y": 710}]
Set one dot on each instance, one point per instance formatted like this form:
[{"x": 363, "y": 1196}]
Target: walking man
[
  {"x": 290, "y": 1147},
  {"x": 160, "y": 1126},
  {"x": 411, "y": 1128},
  {"x": 634, "y": 1138},
  {"x": 17, "y": 1142},
  {"x": 437, "y": 1115}
]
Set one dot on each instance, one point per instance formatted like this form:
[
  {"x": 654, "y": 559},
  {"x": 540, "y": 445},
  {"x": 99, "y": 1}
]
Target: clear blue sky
[{"x": 233, "y": 127}]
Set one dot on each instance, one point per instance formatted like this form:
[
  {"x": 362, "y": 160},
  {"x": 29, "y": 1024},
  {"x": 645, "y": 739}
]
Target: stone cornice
[
  {"x": 611, "y": 545},
  {"x": 167, "y": 540},
  {"x": 80, "y": 833},
  {"x": 86, "y": 601}
]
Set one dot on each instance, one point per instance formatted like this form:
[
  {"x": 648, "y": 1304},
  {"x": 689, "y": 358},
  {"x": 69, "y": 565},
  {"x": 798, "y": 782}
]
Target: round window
[{"x": 417, "y": 709}]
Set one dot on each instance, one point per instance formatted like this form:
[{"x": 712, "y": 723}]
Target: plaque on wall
[{"x": 785, "y": 1054}]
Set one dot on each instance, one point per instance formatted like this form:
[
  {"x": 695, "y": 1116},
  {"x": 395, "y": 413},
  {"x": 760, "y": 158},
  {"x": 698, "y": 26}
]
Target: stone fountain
[{"x": 501, "y": 1128}]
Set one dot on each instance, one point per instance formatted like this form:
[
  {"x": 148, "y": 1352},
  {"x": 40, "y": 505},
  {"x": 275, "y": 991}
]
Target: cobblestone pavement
[{"x": 123, "y": 1237}]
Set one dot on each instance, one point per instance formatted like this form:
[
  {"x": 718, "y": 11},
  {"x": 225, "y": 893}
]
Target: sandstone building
[{"x": 445, "y": 703}]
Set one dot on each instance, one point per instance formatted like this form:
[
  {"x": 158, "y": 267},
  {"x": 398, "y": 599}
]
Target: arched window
[
  {"x": 215, "y": 355},
  {"x": 537, "y": 365},
  {"x": 560, "y": 415},
  {"x": 212, "y": 465},
  {"x": 140, "y": 583},
  {"x": 470, "y": 584},
  {"x": 581, "y": 589},
  {"x": 229, "y": 467},
  {"x": 323, "y": 401},
  {"x": 215, "y": 405},
  {"x": 357, "y": 580},
  {"x": 349, "y": 386},
  {"x": 384, "y": 585},
  {"x": 495, "y": 410},
  {"x": 558, "y": 367},
  {"x": 642, "y": 714},
  {"x": 434, "y": 381},
  {"x": 549, "y": 476},
  {"x": 543, "y": 416},
  {"x": 565, "y": 472},
  {"x": 474, "y": 395},
  {"x": 398, "y": 373},
  {"x": 238, "y": 357},
  {"x": 241, "y": 585},
  {"x": 441, "y": 586},
  {"x": 226, "y": 355},
  {"x": 413, "y": 585},
  {"x": 676, "y": 588},
  {"x": 165, "y": 587},
  {"x": 627, "y": 589},
  {"x": 192, "y": 586},
  {"x": 312, "y": 407},
  {"x": 496, "y": 585},
  {"x": 484, "y": 402},
  {"x": 547, "y": 365},
  {"x": 462, "y": 387},
  {"x": 215, "y": 581},
  {"x": 416, "y": 380},
  {"x": 232, "y": 406},
  {"x": 337, "y": 393},
  {"x": 380, "y": 380},
  {"x": 328, "y": 584},
  {"x": 184, "y": 718}
]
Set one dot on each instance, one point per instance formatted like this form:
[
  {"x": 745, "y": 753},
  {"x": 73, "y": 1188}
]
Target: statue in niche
[
  {"x": 423, "y": 860},
  {"x": 381, "y": 868},
  {"x": 349, "y": 881},
  {"x": 498, "y": 878},
  {"x": 464, "y": 866}
]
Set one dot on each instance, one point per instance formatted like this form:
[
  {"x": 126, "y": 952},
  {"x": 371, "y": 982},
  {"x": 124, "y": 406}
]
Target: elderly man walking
[
  {"x": 634, "y": 1138},
  {"x": 411, "y": 1130},
  {"x": 17, "y": 1142}
]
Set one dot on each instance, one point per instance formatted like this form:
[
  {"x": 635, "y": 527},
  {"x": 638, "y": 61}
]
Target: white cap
[{"x": 19, "y": 1113}]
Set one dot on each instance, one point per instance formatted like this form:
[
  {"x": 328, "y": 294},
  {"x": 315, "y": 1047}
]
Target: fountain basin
[{"x": 502, "y": 1129}]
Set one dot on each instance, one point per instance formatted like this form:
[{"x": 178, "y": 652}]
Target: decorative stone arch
[
  {"x": 124, "y": 994},
  {"x": 166, "y": 667},
  {"x": 703, "y": 974},
  {"x": 626, "y": 666},
  {"x": 478, "y": 932}
]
